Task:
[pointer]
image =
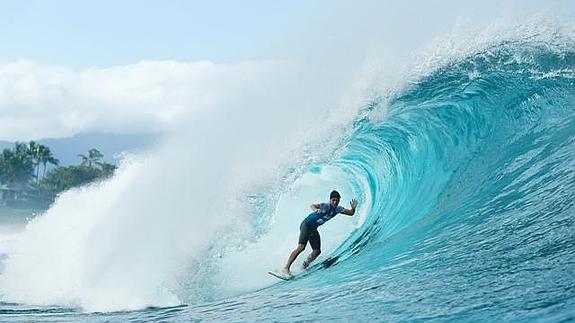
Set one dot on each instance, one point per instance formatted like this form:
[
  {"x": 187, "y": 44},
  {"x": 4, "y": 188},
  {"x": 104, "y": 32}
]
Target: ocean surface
[{"x": 466, "y": 187}]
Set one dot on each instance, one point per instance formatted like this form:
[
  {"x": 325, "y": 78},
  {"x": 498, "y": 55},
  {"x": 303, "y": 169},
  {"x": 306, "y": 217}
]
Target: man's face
[{"x": 334, "y": 201}]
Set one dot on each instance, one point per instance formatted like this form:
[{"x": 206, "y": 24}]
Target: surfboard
[{"x": 280, "y": 275}]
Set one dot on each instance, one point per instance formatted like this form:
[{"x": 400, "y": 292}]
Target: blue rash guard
[{"x": 316, "y": 219}]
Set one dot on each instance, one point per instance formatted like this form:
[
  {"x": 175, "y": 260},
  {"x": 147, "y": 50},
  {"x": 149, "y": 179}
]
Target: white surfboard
[{"x": 280, "y": 275}]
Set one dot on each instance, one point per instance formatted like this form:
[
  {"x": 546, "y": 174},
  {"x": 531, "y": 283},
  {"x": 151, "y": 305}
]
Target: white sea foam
[{"x": 146, "y": 237}]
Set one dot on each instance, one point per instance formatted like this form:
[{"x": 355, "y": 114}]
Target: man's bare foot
[
  {"x": 305, "y": 265},
  {"x": 286, "y": 273}
]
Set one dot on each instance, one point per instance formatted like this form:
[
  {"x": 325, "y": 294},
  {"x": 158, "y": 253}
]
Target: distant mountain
[{"x": 111, "y": 145}]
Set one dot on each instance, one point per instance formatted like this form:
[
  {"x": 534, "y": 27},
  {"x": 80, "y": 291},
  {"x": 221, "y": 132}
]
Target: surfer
[{"x": 322, "y": 212}]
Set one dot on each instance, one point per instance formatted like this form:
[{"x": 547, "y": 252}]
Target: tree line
[{"x": 24, "y": 173}]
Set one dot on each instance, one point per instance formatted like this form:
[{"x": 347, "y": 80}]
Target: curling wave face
[{"x": 469, "y": 185}]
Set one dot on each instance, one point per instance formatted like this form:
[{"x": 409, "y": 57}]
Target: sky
[
  {"x": 68, "y": 67},
  {"x": 103, "y": 33}
]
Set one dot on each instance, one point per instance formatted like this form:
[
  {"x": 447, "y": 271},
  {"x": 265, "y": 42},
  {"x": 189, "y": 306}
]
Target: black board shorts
[{"x": 308, "y": 232}]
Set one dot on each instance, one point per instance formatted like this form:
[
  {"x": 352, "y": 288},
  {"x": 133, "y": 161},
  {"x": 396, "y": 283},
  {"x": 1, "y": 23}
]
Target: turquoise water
[{"x": 468, "y": 184}]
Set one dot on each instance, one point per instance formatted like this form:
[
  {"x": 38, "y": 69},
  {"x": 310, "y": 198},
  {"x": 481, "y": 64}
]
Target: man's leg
[
  {"x": 311, "y": 258},
  {"x": 304, "y": 234},
  {"x": 300, "y": 247},
  {"x": 315, "y": 242}
]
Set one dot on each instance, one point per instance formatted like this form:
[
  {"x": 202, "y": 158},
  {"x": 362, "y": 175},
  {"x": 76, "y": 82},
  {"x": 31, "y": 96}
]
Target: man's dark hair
[{"x": 334, "y": 194}]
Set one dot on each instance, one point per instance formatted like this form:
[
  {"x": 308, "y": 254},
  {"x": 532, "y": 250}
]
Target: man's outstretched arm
[{"x": 351, "y": 211}]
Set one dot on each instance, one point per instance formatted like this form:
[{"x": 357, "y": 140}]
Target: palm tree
[
  {"x": 94, "y": 157},
  {"x": 44, "y": 156},
  {"x": 33, "y": 150},
  {"x": 40, "y": 155},
  {"x": 16, "y": 166}
]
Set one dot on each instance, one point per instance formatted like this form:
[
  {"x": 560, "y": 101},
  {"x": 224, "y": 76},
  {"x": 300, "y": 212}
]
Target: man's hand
[
  {"x": 351, "y": 211},
  {"x": 317, "y": 208},
  {"x": 353, "y": 203}
]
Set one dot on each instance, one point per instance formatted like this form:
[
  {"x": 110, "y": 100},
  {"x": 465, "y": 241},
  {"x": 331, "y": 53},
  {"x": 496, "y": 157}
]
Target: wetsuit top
[{"x": 316, "y": 219}]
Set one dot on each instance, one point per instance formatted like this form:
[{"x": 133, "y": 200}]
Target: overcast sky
[{"x": 68, "y": 67}]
